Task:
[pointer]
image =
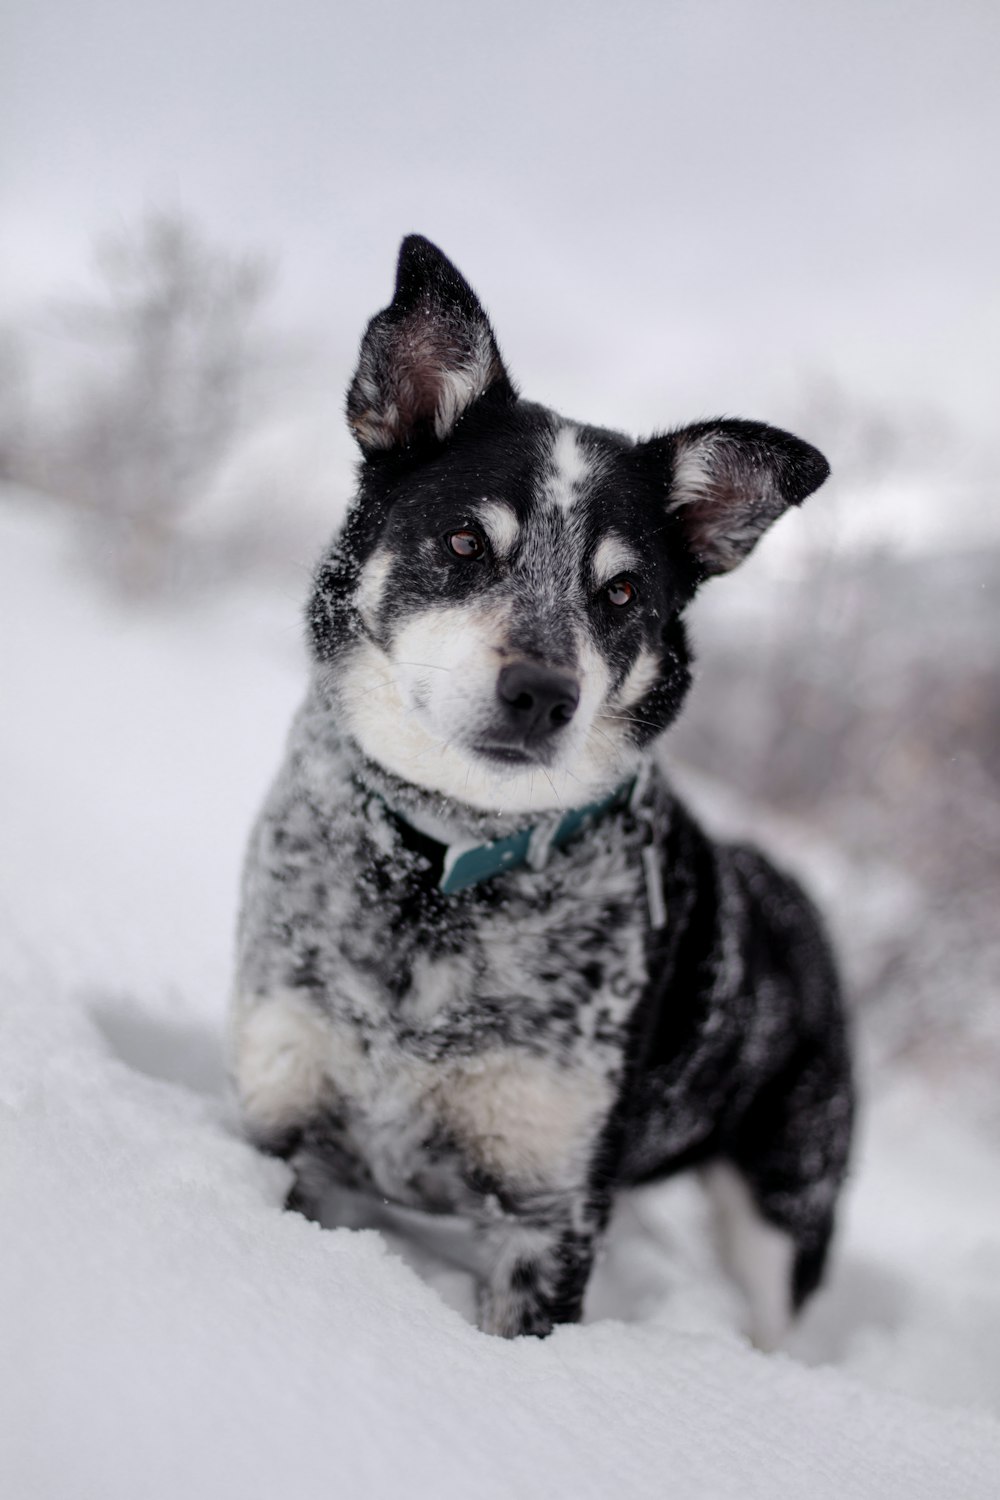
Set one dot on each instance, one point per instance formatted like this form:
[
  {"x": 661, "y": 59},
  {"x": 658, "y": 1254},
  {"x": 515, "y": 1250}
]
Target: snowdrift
[{"x": 167, "y": 1330}]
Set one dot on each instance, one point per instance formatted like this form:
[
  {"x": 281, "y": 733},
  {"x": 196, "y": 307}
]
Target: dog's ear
[
  {"x": 728, "y": 480},
  {"x": 425, "y": 358}
]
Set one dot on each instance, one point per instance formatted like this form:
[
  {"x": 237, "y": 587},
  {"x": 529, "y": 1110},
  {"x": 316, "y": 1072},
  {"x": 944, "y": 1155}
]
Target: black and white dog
[{"x": 488, "y": 964}]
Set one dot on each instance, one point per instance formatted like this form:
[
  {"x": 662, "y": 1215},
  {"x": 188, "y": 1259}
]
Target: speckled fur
[{"x": 513, "y": 1052}]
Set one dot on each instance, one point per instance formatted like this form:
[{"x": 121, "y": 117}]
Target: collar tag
[{"x": 653, "y": 875}]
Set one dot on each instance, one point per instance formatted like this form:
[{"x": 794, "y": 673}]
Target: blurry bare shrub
[
  {"x": 14, "y": 406},
  {"x": 174, "y": 330},
  {"x": 867, "y": 709},
  {"x": 871, "y": 440}
]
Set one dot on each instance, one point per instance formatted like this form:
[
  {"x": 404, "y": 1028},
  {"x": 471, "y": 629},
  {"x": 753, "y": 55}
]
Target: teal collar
[{"x": 466, "y": 864}]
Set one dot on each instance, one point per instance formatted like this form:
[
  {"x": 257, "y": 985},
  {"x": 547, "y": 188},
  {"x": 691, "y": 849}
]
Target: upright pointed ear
[
  {"x": 728, "y": 480},
  {"x": 426, "y": 358}
]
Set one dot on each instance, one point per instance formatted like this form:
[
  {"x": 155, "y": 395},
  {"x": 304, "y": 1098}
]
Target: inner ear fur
[
  {"x": 426, "y": 358},
  {"x": 728, "y": 480}
]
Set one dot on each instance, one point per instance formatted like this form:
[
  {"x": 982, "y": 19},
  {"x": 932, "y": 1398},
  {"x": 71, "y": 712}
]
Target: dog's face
[{"x": 501, "y": 618}]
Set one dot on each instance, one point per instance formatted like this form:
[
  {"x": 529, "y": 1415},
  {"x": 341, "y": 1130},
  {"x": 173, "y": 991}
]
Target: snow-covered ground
[{"x": 165, "y": 1330}]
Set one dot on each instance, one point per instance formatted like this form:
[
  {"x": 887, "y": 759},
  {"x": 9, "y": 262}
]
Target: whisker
[
  {"x": 356, "y": 697},
  {"x": 605, "y": 737},
  {"x": 433, "y": 666},
  {"x": 442, "y": 750},
  {"x": 615, "y": 749},
  {"x": 552, "y": 784},
  {"x": 629, "y": 719}
]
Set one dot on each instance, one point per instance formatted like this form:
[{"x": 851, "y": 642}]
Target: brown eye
[
  {"x": 620, "y": 592},
  {"x": 466, "y": 543}
]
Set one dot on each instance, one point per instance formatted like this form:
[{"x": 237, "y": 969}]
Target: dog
[{"x": 488, "y": 964}]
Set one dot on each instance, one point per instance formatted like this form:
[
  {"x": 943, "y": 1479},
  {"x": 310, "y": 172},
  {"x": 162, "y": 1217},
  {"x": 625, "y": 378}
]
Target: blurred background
[{"x": 672, "y": 211}]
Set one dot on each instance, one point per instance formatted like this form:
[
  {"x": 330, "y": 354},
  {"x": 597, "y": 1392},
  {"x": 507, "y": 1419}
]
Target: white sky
[{"x": 671, "y": 209}]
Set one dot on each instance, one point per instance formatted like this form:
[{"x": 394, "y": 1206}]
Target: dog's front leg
[{"x": 540, "y": 1263}]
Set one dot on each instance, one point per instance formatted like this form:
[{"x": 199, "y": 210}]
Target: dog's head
[{"x": 500, "y": 620}]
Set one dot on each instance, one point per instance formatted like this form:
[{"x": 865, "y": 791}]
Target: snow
[{"x": 167, "y": 1330}]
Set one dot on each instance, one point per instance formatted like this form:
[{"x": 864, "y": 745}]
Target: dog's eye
[
  {"x": 466, "y": 543},
  {"x": 620, "y": 592}
]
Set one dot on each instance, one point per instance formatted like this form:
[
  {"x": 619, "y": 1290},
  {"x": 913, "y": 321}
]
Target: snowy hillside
[{"x": 167, "y": 1331}]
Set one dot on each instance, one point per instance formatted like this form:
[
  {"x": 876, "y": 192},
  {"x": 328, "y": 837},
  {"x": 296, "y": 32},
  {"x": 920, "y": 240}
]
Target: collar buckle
[{"x": 541, "y": 841}]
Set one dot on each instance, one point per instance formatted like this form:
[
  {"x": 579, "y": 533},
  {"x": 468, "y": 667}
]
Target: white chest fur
[{"x": 418, "y": 1125}]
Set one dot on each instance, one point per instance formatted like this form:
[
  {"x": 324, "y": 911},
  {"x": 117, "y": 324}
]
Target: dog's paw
[
  {"x": 509, "y": 1315},
  {"x": 758, "y": 1255}
]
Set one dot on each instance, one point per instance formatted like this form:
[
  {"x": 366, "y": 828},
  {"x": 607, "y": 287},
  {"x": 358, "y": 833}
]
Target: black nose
[{"x": 537, "y": 699}]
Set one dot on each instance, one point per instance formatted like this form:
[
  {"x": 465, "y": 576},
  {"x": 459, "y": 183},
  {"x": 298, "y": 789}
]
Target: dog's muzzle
[{"x": 535, "y": 701}]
